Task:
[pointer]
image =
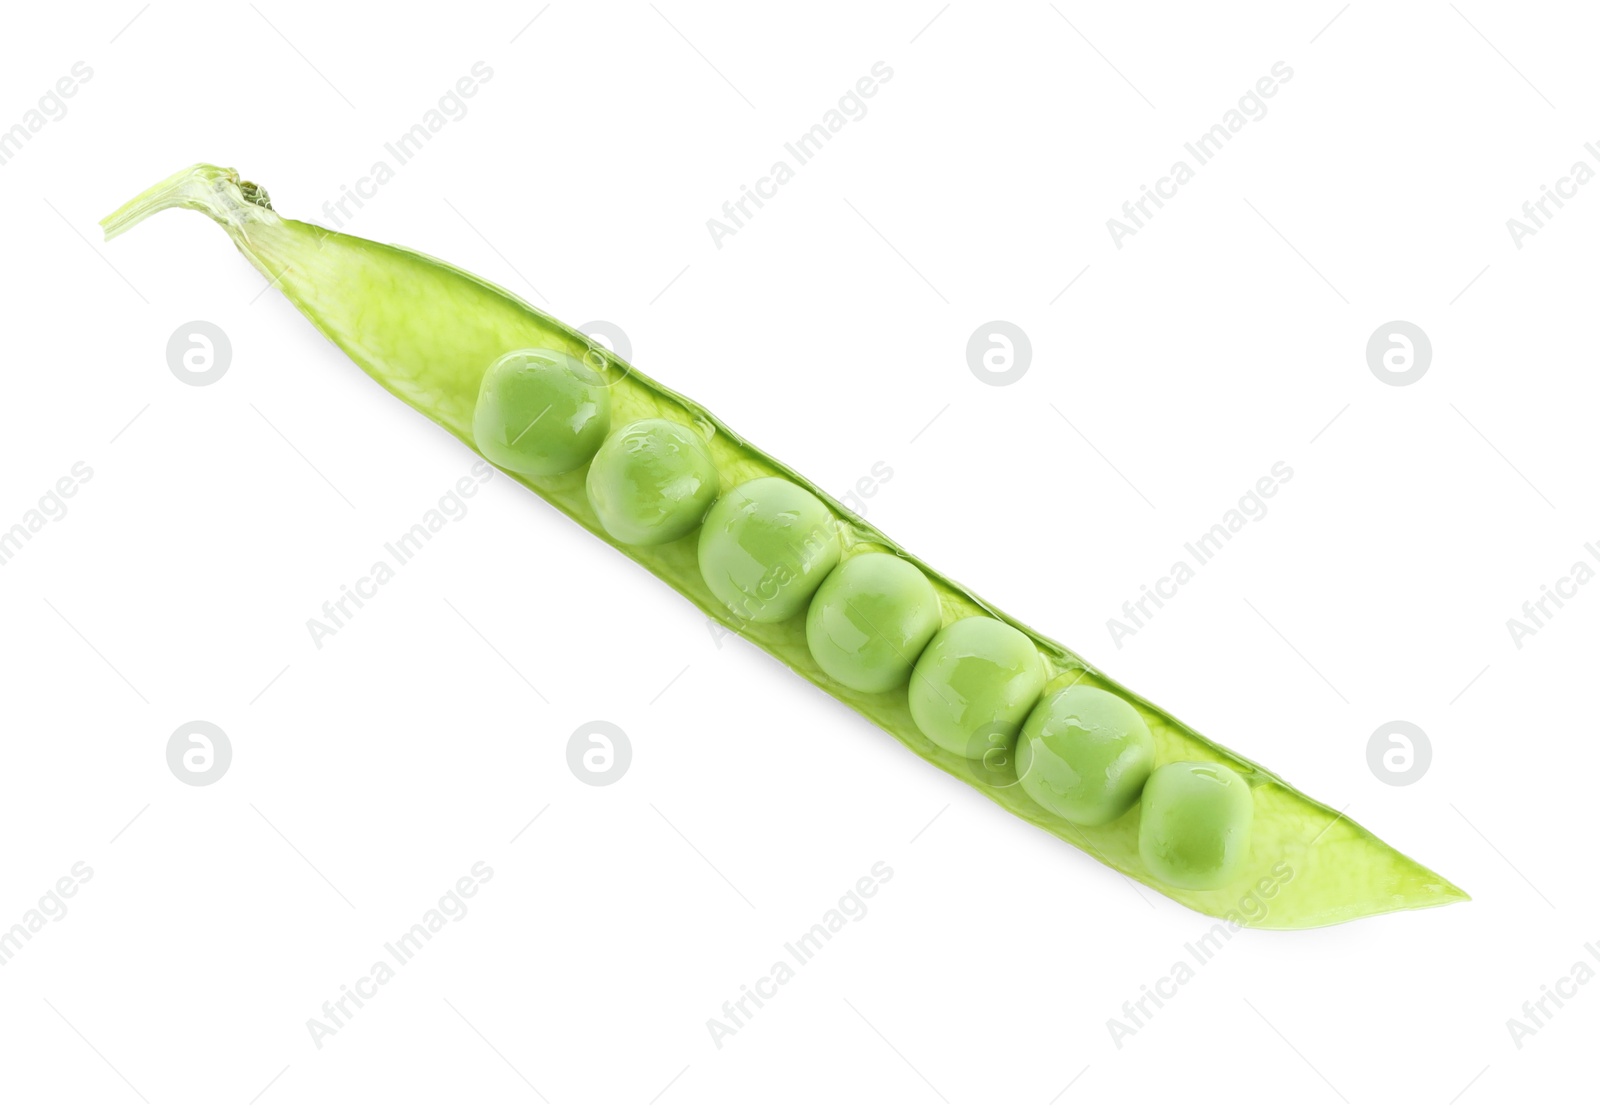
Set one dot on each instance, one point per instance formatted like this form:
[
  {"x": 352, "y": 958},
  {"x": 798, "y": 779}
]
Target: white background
[{"x": 370, "y": 774}]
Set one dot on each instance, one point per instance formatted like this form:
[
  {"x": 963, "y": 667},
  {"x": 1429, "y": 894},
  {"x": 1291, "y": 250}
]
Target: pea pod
[{"x": 429, "y": 333}]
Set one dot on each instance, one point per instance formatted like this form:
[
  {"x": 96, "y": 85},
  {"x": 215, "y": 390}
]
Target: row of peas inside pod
[{"x": 770, "y": 550}]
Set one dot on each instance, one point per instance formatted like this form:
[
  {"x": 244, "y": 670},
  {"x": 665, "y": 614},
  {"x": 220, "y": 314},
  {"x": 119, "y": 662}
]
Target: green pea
[
  {"x": 766, "y": 546},
  {"x": 1194, "y": 824},
  {"x": 974, "y": 685},
  {"x": 870, "y": 620},
  {"x": 652, "y": 482},
  {"x": 540, "y": 413},
  {"x": 1084, "y": 754}
]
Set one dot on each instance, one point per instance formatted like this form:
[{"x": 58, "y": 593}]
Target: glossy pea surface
[
  {"x": 540, "y": 413},
  {"x": 870, "y": 620},
  {"x": 1085, "y": 753},
  {"x": 975, "y": 684},
  {"x": 1194, "y": 824},
  {"x": 765, "y": 547},
  {"x": 652, "y": 482}
]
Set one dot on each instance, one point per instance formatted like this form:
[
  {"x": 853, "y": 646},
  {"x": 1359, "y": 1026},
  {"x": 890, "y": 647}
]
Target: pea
[
  {"x": 652, "y": 482},
  {"x": 1194, "y": 824},
  {"x": 1085, "y": 753},
  {"x": 974, "y": 684},
  {"x": 540, "y": 413},
  {"x": 870, "y": 620},
  {"x": 766, "y": 547}
]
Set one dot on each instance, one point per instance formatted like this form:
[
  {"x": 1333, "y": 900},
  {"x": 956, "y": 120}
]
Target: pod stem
[{"x": 217, "y": 192}]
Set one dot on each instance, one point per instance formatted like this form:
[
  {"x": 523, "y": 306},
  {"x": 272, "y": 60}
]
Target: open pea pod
[{"x": 428, "y": 332}]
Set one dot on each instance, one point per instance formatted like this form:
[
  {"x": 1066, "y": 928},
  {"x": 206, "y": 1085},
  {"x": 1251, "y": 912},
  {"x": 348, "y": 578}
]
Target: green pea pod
[{"x": 427, "y": 332}]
